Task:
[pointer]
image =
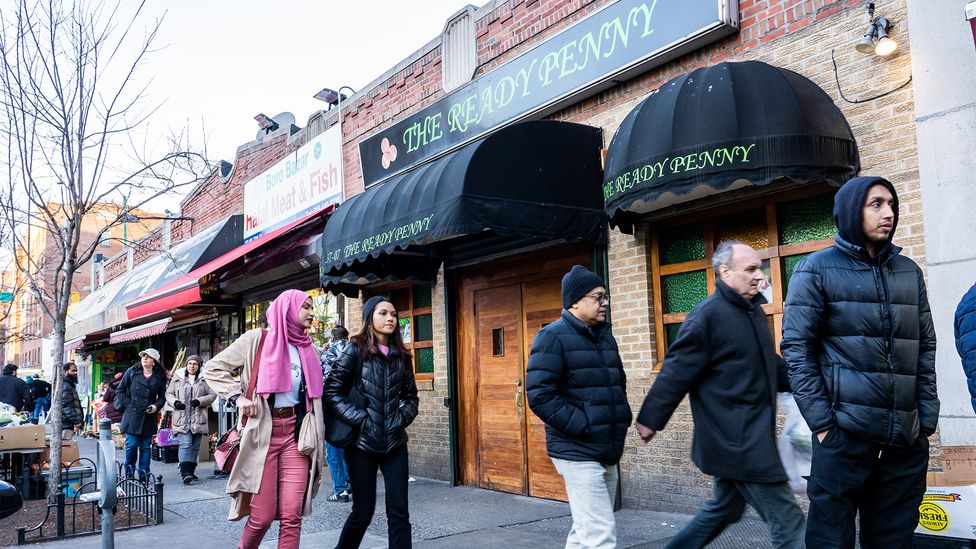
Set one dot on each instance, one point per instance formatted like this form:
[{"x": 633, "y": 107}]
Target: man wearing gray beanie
[{"x": 576, "y": 385}]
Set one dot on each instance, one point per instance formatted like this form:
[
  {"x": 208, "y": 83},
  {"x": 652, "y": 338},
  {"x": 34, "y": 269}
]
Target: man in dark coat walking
[
  {"x": 965, "y": 330},
  {"x": 72, "y": 415},
  {"x": 13, "y": 390},
  {"x": 576, "y": 385},
  {"x": 725, "y": 359},
  {"x": 859, "y": 341}
]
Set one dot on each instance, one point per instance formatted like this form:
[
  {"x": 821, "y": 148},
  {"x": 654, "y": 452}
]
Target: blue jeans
[
  {"x": 137, "y": 444},
  {"x": 336, "y": 458},
  {"x": 189, "y": 447},
  {"x": 41, "y": 404},
  {"x": 773, "y": 501}
]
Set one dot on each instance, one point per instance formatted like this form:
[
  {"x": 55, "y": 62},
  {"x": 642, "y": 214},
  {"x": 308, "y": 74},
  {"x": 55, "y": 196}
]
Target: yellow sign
[{"x": 932, "y": 516}]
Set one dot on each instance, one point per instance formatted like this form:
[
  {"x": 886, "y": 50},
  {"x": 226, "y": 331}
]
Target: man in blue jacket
[
  {"x": 576, "y": 385},
  {"x": 725, "y": 360},
  {"x": 965, "y": 329},
  {"x": 860, "y": 345}
]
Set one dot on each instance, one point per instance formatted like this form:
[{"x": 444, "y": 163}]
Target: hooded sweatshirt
[
  {"x": 849, "y": 209},
  {"x": 858, "y": 335}
]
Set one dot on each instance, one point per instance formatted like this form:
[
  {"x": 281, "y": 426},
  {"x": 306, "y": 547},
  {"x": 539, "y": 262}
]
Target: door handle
[{"x": 519, "y": 395}]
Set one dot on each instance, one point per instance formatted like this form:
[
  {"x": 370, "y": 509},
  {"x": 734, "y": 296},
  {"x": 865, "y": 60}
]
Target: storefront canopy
[
  {"x": 537, "y": 179},
  {"x": 720, "y": 128},
  {"x": 186, "y": 289}
]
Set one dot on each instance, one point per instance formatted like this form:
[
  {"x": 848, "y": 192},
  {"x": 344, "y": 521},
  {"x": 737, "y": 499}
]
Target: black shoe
[{"x": 338, "y": 498}]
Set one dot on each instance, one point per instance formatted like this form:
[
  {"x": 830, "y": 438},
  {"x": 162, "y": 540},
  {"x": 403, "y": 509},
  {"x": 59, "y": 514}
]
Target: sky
[{"x": 225, "y": 61}]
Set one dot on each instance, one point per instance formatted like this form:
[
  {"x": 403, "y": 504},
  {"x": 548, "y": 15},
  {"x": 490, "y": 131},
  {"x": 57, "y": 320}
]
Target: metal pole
[{"x": 107, "y": 480}]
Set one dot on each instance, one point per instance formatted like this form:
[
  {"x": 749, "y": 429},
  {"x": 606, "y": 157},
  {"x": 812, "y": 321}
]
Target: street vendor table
[{"x": 17, "y": 471}]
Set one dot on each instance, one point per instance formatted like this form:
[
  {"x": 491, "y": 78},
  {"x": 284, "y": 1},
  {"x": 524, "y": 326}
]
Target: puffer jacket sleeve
[
  {"x": 171, "y": 397},
  {"x": 802, "y": 318},
  {"x": 338, "y": 384},
  {"x": 543, "y": 378},
  {"x": 926, "y": 393},
  {"x": 965, "y": 332},
  {"x": 409, "y": 401},
  {"x": 686, "y": 360},
  {"x": 208, "y": 397}
]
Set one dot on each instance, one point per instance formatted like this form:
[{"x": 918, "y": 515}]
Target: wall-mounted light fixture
[
  {"x": 266, "y": 123},
  {"x": 875, "y": 39}
]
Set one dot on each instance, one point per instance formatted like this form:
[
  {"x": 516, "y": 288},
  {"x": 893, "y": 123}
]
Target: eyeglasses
[{"x": 600, "y": 298}]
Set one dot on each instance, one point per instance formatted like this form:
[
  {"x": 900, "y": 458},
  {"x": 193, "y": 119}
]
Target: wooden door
[
  {"x": 501, "y": 308},
  {"x": 500, "y": 389},
  {"x": 541, "y": 305}
]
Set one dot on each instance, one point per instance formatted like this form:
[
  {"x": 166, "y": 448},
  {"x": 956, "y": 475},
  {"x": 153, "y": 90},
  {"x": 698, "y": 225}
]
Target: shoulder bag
[
  {"x": 229, "y": 445},
  {"x": 338, "y": 433}
]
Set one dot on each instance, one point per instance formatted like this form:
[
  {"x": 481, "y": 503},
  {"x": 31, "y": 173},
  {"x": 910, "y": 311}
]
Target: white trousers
[{"x": 592, "y": 489}]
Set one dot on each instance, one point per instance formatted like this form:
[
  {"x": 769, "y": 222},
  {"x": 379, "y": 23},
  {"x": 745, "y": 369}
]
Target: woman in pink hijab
[{"x": 279, "y": 467}]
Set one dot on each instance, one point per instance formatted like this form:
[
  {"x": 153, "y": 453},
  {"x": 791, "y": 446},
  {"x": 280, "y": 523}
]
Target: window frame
[
  {"x": 411, "y": 313},
  {"x": 775, "y": 253}
]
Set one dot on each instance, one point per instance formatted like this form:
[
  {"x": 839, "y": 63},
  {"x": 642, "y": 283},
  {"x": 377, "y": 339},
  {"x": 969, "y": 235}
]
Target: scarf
[{"x": 284, "y": 329}]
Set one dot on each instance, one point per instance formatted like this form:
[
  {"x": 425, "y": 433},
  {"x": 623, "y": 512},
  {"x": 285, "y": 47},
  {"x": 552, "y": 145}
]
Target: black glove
[
  {"x": 179, "y": 405},
  {"x": 195, "y": 403}
]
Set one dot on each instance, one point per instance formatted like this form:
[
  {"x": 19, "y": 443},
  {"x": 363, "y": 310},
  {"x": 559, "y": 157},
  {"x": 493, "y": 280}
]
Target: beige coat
[
  {"x": 190, "y": 419},
  {"x": 245, "y": 478}
]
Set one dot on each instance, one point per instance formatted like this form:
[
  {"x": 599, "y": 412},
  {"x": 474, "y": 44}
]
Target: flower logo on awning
[{"x": 389, "y": 152}]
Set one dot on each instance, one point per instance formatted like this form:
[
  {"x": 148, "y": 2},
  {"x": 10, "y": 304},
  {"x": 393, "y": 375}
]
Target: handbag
[
  {"x": 338, "y": 433},
  {"x": 229, "y": 444}
]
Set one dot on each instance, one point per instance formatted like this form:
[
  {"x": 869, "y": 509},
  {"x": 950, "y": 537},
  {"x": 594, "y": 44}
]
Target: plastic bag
[{"x": 795, "y": 446}]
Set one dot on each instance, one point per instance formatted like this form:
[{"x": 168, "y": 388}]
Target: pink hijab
[{"x": 274, "y": 375}]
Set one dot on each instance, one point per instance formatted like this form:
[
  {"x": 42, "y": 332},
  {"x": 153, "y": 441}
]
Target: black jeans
[
  {"x": 884, "y": 483},
  {"x": 773, "y": 501},
  {"x": 362, "y": 479}
]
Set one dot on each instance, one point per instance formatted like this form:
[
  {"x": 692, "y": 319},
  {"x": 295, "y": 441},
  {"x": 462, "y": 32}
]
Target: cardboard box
[
  {"x": 947, "y": 510},
  {"x": 23, "y": 437},
  {"x": 69, "y": 452},
  {"x": 959, "y": 464}
]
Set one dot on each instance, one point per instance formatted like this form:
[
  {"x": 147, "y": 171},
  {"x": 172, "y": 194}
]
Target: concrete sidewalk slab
[{"x": 329, "y": 538}]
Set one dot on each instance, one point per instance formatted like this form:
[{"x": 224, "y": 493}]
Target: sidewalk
[{"x": 443, "y": 516}]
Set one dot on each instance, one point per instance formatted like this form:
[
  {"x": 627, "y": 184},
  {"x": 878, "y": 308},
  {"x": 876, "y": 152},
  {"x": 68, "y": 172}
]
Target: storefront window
[
  {"x": 323, "y": 316},
  {"x": 783, "y": 232},
  {"x": 413, "y": 303}
]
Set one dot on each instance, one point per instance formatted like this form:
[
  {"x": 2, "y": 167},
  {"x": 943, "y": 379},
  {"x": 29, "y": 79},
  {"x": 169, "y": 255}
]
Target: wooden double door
[{"x": 502, "y": 306}]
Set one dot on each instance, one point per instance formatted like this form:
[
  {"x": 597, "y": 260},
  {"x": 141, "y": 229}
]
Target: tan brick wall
[{"x": 793, "y": 34}]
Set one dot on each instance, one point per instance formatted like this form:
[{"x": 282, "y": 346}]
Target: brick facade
[{"x": 793, "y": 34}]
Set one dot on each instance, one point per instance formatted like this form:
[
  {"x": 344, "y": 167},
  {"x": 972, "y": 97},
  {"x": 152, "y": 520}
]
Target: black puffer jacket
[
  {"x": 391, "y": 398},
  {"x": 134, "y": 395},
  {"x": 576, "y": 385},
  {"x": 858, "y": 335}
]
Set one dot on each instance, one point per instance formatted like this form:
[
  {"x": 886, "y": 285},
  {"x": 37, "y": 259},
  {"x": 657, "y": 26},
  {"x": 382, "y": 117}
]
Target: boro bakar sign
[{"x": 613, "y": 44}]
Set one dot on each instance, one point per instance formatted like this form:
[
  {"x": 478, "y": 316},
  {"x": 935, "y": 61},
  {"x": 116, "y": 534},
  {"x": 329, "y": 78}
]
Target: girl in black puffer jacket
[{"x": 387, "y": 383}]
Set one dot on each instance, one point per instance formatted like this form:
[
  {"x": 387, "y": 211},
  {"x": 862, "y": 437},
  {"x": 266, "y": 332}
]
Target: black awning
[
  {"x": 535, "y": 180},
  {"x": 722, "y": 127}
]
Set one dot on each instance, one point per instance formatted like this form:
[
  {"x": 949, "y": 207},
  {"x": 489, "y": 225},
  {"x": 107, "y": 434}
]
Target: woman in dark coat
[
  {"x": 109, "y": 410},
  {"x": 140, "y": 396},
  {"x": 387, "y": 383}
]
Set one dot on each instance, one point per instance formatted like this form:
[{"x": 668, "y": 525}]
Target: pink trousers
[{"x": 282, "y": 491}]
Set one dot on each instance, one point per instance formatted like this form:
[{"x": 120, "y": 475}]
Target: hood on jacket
[{"x": 849, "y": 208}]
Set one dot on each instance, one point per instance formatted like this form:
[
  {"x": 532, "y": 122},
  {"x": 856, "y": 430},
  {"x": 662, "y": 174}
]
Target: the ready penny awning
[
  {"x": 537, "y": 179},
  {"x": 720, "y": 128}
]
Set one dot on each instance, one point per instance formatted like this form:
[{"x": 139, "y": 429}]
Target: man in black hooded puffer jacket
[{"x": 860, "y": 346}]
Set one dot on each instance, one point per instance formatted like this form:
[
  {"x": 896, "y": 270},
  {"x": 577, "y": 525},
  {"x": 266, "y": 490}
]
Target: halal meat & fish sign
[{"x": 615, "y": 43}]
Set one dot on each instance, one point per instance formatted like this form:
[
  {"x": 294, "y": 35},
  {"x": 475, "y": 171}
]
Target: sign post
[{"x": 107, "y": 481}]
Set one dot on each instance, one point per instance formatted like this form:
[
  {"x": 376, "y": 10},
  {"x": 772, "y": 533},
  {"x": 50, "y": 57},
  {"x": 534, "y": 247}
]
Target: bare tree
[{"x": 75, "y": 134}]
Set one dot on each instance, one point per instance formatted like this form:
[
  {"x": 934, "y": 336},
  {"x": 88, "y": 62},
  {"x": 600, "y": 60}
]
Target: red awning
[
  {"x": 74, "y": 344},
  {"x": 139, "y": 332},
  {"x": 186, "y": 289}
]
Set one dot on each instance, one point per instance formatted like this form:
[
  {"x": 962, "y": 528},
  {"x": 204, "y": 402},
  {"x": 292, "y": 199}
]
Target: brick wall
[
  {"x": 794, "y": 34},
  {"x": 213, "y": 199}
]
